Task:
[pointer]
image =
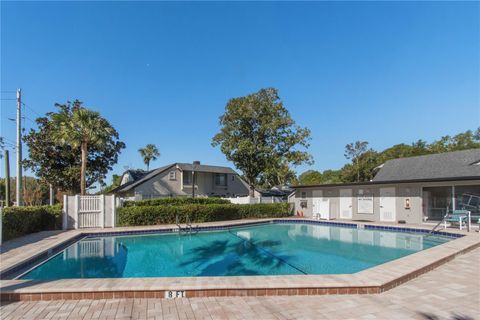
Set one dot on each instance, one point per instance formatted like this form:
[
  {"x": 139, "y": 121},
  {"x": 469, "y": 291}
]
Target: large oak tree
[{"x": 260, "y": 137}]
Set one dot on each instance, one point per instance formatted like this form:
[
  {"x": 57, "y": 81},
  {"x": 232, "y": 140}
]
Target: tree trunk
[
  {"x": 252, "y": 191},
  {"x": 83, "y": 170},
  {"x": 358, "y": 171}
]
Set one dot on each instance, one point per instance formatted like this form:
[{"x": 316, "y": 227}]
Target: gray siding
[
  {"x": 412, "y": 191},
  {"x": 162, "y": 186}
]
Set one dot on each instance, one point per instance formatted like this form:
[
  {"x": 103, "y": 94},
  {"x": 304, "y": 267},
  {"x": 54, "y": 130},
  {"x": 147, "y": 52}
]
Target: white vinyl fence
[
  {"x": 254, "y": 200},
  {"x": 89, "y": 212}
]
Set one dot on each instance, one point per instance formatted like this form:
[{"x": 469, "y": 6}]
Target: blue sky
[{"x": 162, "y": 73}]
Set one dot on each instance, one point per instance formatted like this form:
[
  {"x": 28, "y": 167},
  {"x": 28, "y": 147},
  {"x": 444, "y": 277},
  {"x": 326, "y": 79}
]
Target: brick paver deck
[{"x": 450, "y": 291}]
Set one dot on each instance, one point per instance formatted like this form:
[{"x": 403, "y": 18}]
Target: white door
[
  {"x": 345, "y": 203},
  {"x": 387, "y": 204},
  {"x": 321, "y": 208}
]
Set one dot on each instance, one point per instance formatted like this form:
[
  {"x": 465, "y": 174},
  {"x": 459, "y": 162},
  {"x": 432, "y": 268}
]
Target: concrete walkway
[{"x": 451, "y": 291}]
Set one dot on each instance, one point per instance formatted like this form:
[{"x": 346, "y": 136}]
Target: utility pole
[
  {"x": 51, "y": 195},
  {"x": 193, "y": 183},
  {"x": 7, "y": 179},
  {"x": 19, "y": 149}
]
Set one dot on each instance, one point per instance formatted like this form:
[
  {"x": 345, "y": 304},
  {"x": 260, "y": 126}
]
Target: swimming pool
[{"x": 265, "y": 249}]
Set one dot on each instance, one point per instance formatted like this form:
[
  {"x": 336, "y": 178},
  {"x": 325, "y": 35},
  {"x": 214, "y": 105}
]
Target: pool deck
[
  {"x": 374, "y": 280},
  {"x": 449, "y": 292}
]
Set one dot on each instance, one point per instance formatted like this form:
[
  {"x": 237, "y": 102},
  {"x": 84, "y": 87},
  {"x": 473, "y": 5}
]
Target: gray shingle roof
[
  {"x": 137, "y": 174},
  {"x": 458, "y": 164},
  {"x": 140, "y": 179}
]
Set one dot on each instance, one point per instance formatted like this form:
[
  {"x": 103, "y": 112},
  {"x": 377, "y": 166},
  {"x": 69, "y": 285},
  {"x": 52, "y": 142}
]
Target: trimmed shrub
[
  {"x": 19, "y": 221},
  {"x": 165, "y": 214},
  {"x": 265, "y": 210},
  {"x": 175, "y": 201}
]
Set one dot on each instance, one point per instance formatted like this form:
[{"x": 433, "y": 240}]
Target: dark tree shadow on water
[
  {"x": 268, "y": 243},
  {"x": 238, "y": 257},
  {"x": 214, "y": 248},
  {"x": 454, "y": 316}
]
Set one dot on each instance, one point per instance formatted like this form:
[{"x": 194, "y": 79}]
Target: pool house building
[{"x": 411, "y": 190}]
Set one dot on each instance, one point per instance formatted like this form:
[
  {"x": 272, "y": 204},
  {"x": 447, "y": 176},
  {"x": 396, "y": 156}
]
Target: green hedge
[
  {"x": 175, "y": 201},
  {"x": 19, "y": 221},
  {"x": 165, "y": 214}
]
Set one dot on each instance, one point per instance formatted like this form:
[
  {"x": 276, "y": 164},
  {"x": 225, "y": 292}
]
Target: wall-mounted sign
[{"x": 365, "y": 203}]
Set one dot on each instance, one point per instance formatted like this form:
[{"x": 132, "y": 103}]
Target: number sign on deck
[{"x": 173, "y": 294}]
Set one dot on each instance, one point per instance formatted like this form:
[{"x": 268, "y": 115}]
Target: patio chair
[{"x": 458, "y": 216}]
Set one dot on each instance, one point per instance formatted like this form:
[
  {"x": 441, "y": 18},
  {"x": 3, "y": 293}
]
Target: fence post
[
  {"x": 65, "y": 213},
  {"x": 102, "y": 211},
  {"x": 114, "y": 211},
  {"x": 77, "y": 208}
]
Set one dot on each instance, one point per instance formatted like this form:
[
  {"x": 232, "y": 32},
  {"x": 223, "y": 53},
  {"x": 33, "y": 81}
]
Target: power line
[
  {"x": 31, "y": 109},
  {"x": 25, "y": 117},
  {"x": 9, "y": 144},
  {"x": 7, "y": 139}
]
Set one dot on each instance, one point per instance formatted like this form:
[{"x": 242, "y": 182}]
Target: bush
[
  {"x": 19, "y": 221},
  {"x": 175, "y": 201},
  {"x": 166, "y": 214}
]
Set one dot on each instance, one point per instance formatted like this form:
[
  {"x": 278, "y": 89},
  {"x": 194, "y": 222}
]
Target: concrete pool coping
[{"x": 373, "y": 280}]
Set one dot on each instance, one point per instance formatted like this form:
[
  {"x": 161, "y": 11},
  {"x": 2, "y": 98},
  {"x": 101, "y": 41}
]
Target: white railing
[
  {"x": 89, "y": 219},
  {"x": 253, "y": 200},
  {"x": 89, "y": 203},
  {"x": 89, "y": 211}
]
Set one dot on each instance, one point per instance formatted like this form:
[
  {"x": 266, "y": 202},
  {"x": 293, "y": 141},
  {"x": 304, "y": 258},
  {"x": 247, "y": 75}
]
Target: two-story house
[{"x": 177, "y": 180}]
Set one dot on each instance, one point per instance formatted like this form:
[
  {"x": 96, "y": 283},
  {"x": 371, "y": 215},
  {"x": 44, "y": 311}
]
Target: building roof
[
  {"x": 458, "y": 164},
  {"x": 276, "y": 191},
  {"x": 139, "y": 178},
  {"x": 136, "y": 173},
  {"x": 449, "y": 166}
]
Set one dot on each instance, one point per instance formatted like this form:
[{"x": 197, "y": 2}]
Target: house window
[
  {"x": 468, "y": 198},
  {"x": 172, "y": 175},
  {"x": 187, "y": 178},
  {"x": 220, "y": 179},
  {"x": 437, "y": 201},
  {"x": 233, "y": 177},
  {"x": 304, "y": 195}
]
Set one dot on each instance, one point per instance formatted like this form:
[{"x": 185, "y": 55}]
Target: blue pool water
[{"x": 267, "y": 249}]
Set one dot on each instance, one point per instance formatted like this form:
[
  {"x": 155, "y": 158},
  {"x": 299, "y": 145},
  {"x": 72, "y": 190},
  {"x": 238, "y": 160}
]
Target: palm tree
[
  {"x": 149, "y": 153},
  {"x": 82, "y": 128}
]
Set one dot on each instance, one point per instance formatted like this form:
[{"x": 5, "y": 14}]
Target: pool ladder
[
  {"x": 189, "y": 229},
  {"x": 438, "y": 224}
]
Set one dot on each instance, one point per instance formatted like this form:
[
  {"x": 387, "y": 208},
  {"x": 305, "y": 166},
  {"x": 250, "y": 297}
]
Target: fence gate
[{"x": 89, "y": 212}]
